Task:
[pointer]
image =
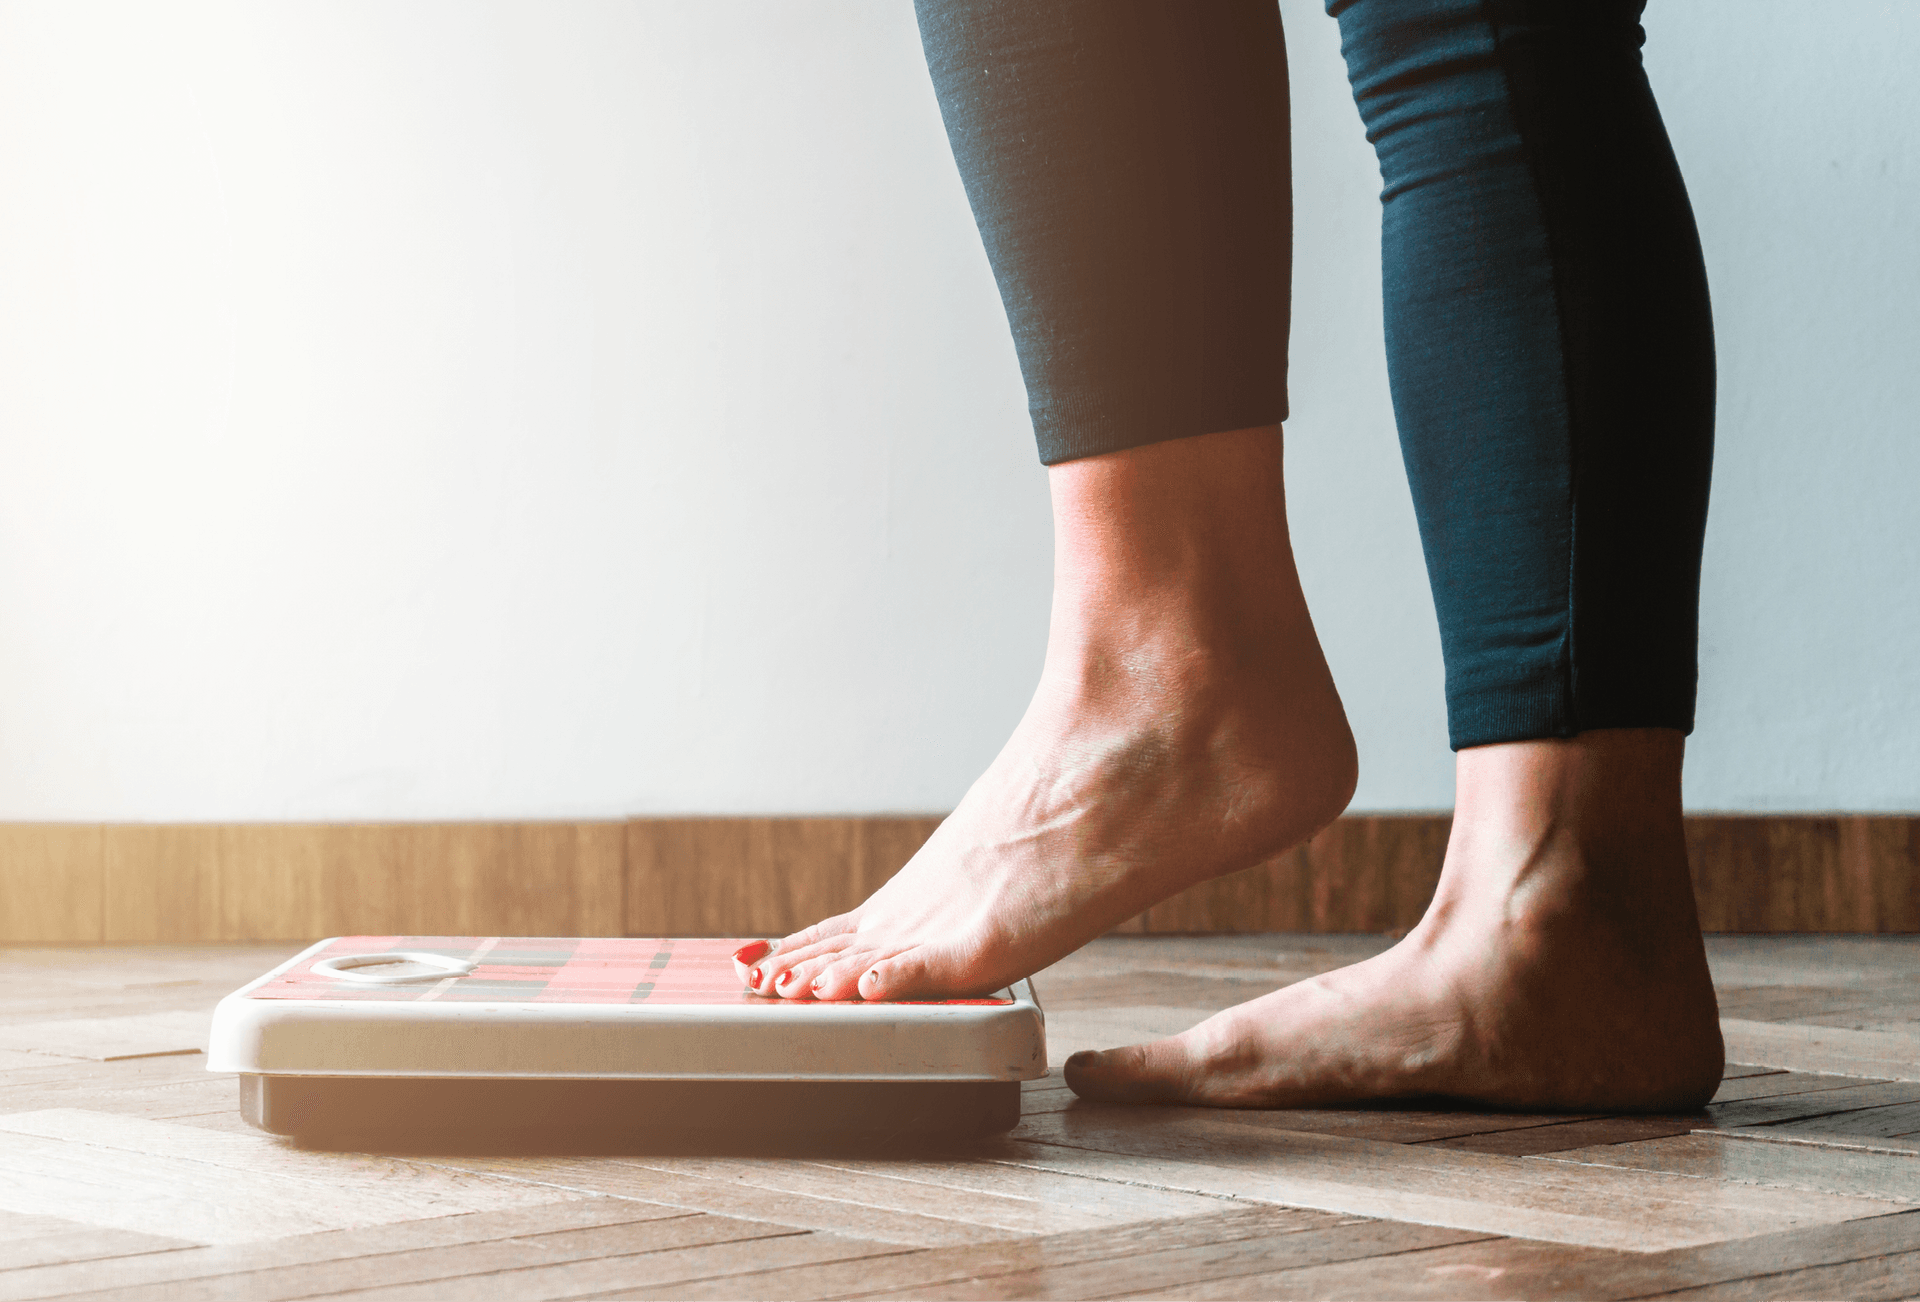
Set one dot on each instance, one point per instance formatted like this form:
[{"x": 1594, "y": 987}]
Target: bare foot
[
  {"x": 1185, "y": 726},
  {"x": 1559, "y": 966}
]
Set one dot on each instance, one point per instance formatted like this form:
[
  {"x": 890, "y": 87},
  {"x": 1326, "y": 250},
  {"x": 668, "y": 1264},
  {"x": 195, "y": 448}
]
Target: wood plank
[
  {"x": 156, "y": 1177},
  {"x": 1902, "y": 1018},
  {"x": 598, "y": 1275},
  {"x": 1074, "y": 1029},
  {"x": 1363, "y": 872},
  {"x": 1817, "y": 1139},
  {"x": 1535, "y": 1198},
  {"x": 111, "y": 1039},
  {"x": 1530, "y": 1140},
  {"x": 72, "y": 1083},
  {"x": 1052, "y": 1095},
  {"x": 1477, "y": 1269},
  {"x": 1400, "y": 1123},
  {"x": 890, "y": 1275},
  {"x": 686, "y": 1269},
  {"x": 1773, "y": 1254},
  {"x": 195, "y": 1096},
  {"x": 31, "y": 1240},
  {"x": 302, "y": 881},
  {"x": 131, "y": 1275},
  {"x": 1098, "y": 1200},
  {"x": 1895, "y": 1276},
  {"x": 1812, "y": 1103},
  {"x": 1153, "y": 1274},
  {"x": 860, "y": 1185},
  {"x": 1876, "y": 885},
  {"x": 1516, "y": 1268},
  {"x": 509, "y": 1268},
  {"x": 1892, "y": 1177},
  {"x": 1168, "y": 989},
  {"x": 1776, "y": 1083},
  {"x": 624, "y": 1179},
  {"x": 1810, "y": 959},
  {"x": 1893, "y": 1122},
  {"x": 52, "y": 883},
  {"x": 1790, "y": 1003},
  {"x": 1387, "y": 1123},
  {"x": 1281, "y": 956},
  {"x": 1799, "y": 873},
  {"x": 163, "y": 883},
  {"x": 1886, "y": 1054},
  {"x": 758, "y": 876}
]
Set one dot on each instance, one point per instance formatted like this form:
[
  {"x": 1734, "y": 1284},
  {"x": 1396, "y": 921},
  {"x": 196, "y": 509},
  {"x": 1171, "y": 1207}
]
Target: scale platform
[{"x": 427, "y": 1039}]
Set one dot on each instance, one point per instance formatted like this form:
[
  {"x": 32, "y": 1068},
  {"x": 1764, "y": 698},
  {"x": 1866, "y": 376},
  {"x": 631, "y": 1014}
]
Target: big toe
[{"x": 1159, "y": 1072}]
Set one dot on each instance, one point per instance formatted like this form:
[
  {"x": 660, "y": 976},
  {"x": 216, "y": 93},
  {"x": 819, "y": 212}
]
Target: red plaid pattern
[{"x": 546, "y": 970}]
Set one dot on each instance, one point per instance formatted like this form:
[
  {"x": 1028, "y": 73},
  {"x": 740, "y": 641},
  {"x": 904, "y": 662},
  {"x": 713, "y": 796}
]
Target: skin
[{"x": 1186, "y": 726}]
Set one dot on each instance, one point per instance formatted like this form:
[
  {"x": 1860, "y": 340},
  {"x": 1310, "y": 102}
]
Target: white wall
[{"x": 481, "y": 409}]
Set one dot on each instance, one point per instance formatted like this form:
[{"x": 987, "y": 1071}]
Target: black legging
[{"x": 1548, "y": 332}]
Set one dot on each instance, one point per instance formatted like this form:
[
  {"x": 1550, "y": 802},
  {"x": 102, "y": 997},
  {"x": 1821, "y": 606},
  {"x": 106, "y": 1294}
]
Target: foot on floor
[{"x": 1560, "y": 965}]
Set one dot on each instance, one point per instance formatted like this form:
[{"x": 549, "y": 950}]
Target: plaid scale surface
[{"x": 546, "y": 970}]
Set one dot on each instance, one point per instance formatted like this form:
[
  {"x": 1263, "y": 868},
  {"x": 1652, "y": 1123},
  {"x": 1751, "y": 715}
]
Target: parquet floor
[{"x": 125, "y": 1171}]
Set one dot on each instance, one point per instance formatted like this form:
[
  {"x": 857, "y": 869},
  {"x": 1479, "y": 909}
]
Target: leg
[
  {"x": 1551, "y": 354},
  {"x": 1126, "y": 160}
]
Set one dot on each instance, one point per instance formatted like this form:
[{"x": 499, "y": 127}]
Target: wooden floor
[{"x": 125, "y": 1171}]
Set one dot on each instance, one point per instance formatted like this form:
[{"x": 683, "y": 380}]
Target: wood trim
[
  {"x": 52, "y": 887},
  {"x": 1365, "y": 872},
  {"x": 758, "y": 876},
  {"x": 127, "y": 883},
  {"x": 1845, "y": 873},
  {"x": 137, "y": 884}
]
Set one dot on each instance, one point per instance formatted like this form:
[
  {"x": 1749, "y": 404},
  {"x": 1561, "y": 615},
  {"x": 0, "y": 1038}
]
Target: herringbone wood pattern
[{"x": 127, "y": 1173}]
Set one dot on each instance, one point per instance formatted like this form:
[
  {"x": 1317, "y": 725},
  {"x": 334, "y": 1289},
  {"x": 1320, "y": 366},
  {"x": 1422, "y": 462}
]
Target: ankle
[
  {"x": 1173, "y": 569},
  {"x": 1190, "y": 533},
  {"x": 1584, "y": 832}
]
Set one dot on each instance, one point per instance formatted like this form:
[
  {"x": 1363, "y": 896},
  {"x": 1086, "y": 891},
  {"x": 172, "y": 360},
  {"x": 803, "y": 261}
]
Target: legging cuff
[
  {"x": 1499, "y": 713},
  {"x": 1100, "y": 424}
]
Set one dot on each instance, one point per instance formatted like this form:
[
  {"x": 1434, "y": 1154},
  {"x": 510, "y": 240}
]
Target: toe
[
  {"x": 840, "y": 978},
  {"x": 918, "y": 973},
  {"x": 746, "y": 956},
  {"x": 795, "y": 980},
  {"x": 785, "y": 958},
  {"x": 1140, "y": 1073}
]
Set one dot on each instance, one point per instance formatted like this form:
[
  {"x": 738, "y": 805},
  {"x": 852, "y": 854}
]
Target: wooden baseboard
[{"x": 130, "y": 884}]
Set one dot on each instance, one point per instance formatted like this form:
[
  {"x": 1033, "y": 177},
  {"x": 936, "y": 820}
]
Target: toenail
[
  {"x": 751, "y": 953},
  {"x": 780, "y": 982},
  {"x": 753, "y": 977}
]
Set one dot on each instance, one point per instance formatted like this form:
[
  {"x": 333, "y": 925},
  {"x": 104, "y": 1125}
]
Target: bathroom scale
[{"x": 422, "y": 1039}]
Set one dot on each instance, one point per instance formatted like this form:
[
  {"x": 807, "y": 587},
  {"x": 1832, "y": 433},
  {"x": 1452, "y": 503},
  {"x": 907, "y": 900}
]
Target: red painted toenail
[
  {"x": 753, "y": 977},
  {"x": 780, "y": 982},
  {"x": 752, "y": 953}
]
